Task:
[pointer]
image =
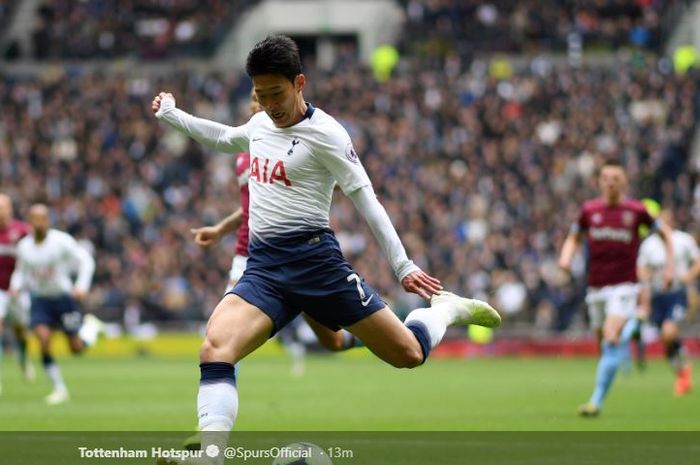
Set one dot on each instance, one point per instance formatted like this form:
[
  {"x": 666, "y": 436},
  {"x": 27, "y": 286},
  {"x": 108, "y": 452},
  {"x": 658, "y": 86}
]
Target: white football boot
[{"x": 467, "y": 311}]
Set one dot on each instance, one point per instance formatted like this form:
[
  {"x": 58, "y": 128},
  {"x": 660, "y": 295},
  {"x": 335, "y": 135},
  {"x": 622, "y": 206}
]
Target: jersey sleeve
[
  {"x": 210, "y": 133},
  {"x": 84, "y": 261},
  {"x": 337, "y": 154}
]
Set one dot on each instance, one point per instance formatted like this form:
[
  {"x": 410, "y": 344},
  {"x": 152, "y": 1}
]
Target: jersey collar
[{"x": 309, "y": 111}]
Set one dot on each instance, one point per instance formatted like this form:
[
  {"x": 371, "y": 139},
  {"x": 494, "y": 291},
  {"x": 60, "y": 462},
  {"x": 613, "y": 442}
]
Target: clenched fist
[{"x": 162, "y": 102}]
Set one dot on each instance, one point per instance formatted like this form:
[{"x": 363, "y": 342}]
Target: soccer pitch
[
  {"x": 497, "y": 411},
  {"x": 348, "y": 392}
]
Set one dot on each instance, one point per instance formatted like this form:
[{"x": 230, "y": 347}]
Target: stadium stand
[
  {"x": 468, "y": 27},
  {"x": 150, "y": 29},
  {"x": 6, "y": 9},
  {"x": 480, "y": 163}
]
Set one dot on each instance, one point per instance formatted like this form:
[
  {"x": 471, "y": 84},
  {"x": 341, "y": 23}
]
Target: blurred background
[{"x": 481, "y": 125}]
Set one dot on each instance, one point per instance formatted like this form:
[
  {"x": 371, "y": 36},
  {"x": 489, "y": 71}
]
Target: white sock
[
  {"x": 89, "y": 331},
  {"x": 297, "y": 351},
  {"x": 217, "y": 407},
  {"x": 435, "y": 320},
  {"x": 54, "y": 373}
]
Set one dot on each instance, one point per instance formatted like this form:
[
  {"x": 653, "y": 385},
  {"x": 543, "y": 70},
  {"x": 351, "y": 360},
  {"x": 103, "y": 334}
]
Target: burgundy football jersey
[{"x": 613, "y": 240}]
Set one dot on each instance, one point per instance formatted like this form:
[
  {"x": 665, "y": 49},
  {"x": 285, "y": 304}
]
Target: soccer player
[
  {"x": 611, "y": 226},
  {"x": 45, "y": 260},
  {"x": 668, "y": 305},
  {"x": 298, "y": 153},
  {"x": 206, "y": 236},
  {"x": 16, "y": 309}
]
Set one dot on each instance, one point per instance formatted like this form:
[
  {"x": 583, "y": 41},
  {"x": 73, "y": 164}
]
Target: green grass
[
  {"x": 354, "y": 392},
  {"x": 500, "y": 411}
]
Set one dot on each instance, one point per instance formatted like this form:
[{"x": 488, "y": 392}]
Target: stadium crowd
[
  {"x": 439, "y": 27},
  {"x": 481, "y": 165},
  {"x": 481, "y": 176},
  {"x": 150, "y": 29},
  {"x": 6, "y": 8},
  {"x": 157, "y": 29}
]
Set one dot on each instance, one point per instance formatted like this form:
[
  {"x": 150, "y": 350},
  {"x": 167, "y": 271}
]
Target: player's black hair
[{"x": 277, "y": 54}]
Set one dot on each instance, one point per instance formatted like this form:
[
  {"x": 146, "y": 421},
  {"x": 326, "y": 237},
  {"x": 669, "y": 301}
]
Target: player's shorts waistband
[{"x": 292, "y": 247}]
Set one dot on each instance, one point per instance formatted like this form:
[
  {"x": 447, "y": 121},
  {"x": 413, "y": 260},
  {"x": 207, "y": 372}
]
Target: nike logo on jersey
[
  {"x": 295, "y": 141},
  {"x": 366, "y": 302},
  {"x": 255, "y": 139}
]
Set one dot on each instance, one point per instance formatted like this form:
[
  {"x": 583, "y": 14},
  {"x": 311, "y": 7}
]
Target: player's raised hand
[
  {"x": 164, "y": 100},
  {"x": 422, "y": 284},
  {"x": 206, "y": 236}
]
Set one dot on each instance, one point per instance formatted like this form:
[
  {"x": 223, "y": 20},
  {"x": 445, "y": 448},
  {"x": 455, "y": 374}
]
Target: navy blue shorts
[
  {"x": 318, "y": 281},
  {"x": 668, "y": 306},
  {"x": 60, "y": 312}
]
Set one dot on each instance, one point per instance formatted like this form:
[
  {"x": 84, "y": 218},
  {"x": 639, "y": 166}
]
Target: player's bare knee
[
  {"x": 408, "y": 357},
  {"x": 212, "y": 351}
]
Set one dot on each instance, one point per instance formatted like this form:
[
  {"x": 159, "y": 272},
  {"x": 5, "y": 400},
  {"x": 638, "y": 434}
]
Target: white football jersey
[
  {"x": 293, "y": 171},
  {"x": 45, "y": 268},
  {"x": 652, "y": 254}
]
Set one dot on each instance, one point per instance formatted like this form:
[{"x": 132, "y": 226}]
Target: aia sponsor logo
[{"x": 262, "y": 172}]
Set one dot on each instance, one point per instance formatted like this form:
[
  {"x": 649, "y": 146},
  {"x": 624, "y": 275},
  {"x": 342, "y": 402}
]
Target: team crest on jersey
[
  {"x": 627, "y": 218},
  {"x": 596, "y": 218},
  {"x": 295, "y": 141},
  {"x": 351, "y": 154}
]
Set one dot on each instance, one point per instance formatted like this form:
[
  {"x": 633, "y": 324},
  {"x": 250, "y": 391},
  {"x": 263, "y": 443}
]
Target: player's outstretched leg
[{"x": 408, "y": 345}]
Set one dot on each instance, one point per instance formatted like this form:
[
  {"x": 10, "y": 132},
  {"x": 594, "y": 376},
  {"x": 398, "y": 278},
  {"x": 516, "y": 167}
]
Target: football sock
[
  {"x": 607, "y": 366},
  {"x": 429, "y": 326},
  {"x": 54, "y": 373},
  {"x": 350, "y": 340},
  {"x": 297, "y": 351},
  {"x": 629, "y": 330},
  {"x": 676, "y": 354},
  {"x": 89, "y": 332},
  {"x": 217, "y": 404}
]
